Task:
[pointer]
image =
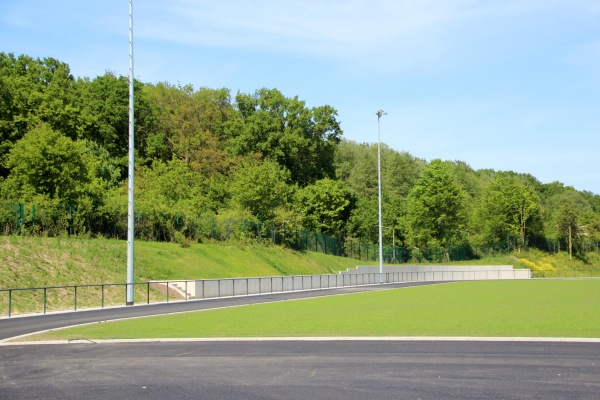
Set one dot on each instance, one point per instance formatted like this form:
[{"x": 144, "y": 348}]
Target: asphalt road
[{"x": 336, "y": 370}]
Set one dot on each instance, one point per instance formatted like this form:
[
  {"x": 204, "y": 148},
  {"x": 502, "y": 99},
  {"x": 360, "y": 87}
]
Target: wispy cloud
[{"x": 406, "y": 33}]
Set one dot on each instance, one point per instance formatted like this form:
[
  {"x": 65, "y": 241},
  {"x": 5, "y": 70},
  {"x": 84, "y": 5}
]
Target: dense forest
[{"x": 205, "y": 153}]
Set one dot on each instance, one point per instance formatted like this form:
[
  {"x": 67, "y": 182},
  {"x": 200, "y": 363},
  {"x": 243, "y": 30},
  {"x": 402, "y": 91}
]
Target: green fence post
[{"x": 22, "y": 209}]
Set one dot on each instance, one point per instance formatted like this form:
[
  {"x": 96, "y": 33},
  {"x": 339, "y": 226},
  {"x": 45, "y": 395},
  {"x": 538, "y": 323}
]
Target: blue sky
[{"x": 501, "y": 84}]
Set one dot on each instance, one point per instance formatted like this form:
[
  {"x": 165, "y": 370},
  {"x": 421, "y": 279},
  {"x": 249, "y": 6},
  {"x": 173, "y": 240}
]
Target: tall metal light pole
[
  {"x": 130, "y": 208},
  {"x": 380, "y": 113}
]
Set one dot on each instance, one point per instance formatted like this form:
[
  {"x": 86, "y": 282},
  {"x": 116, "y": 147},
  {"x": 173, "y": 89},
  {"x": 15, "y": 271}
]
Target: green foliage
[
  {"x": 261, "y": 187},
  {"x": 47, "y": 162},
  {"x": 507, "y": 208},
  {"x": 105, "y": 114},
  {"x": 190, "y": 125},
  {"x": 357, "y": 165},
  {"x": 31, "y": 92},
  {"x": 171, "y": 186},
  {"x": 363, "y": 221},
  {"x": 570, "y": 209},
  {"x": 325, "y": 206},
  {"x": 435, "y": 208},
  {"x": 281, "y": 129}
]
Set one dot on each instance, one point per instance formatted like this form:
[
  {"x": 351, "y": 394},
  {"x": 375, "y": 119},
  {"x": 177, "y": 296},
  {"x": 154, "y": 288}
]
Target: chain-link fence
[{"x": 50, "y": 219}]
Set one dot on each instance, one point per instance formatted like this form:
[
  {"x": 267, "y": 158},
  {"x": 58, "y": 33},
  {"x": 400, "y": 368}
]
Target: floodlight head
[{"x": 380, "y": 113}]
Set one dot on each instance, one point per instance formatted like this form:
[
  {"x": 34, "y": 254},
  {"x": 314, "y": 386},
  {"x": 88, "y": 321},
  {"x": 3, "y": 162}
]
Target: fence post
[
  {"x": 70, "y": 220},
  {"x": 44, "y": 301},
  {"x": 9, "y": 302},
  {"x": 22, "y": 207},
  {"x": 272, "y": 233},
  {"x": 75, "y": 298},
  {"x": 283, "y": 240}
]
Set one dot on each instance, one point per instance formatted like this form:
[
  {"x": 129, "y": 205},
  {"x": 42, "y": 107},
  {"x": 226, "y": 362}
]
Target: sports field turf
[{"x": 540, "y": 308}]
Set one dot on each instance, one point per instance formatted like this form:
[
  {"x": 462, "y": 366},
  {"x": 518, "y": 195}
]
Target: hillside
[{"x": 40, "y": 261}]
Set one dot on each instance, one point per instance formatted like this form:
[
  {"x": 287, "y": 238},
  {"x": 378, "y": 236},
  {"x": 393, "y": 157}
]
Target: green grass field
[{"x": 548, "y": 308}]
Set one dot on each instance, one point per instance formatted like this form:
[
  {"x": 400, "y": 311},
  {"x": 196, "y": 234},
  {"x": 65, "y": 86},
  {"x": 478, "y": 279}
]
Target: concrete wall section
[{"x": 363, "y": 275}]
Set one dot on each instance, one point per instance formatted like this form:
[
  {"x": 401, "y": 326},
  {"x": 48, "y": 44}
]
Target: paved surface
[{"x": 342, "y": 370}]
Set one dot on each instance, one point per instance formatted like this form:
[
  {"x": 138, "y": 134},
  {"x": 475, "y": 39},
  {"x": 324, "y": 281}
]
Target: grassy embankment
[
  {"x": 37, "y": 262},
  {"x": 540, "y": 308}
]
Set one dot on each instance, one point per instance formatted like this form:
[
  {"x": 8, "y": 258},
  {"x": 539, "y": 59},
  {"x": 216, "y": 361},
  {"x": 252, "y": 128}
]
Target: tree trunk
[{"x": 570, "y": 243}]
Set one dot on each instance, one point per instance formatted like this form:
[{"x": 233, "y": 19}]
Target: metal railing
[{"x": 42, "y": 300}]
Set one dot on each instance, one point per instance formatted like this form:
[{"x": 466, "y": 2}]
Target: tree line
[{"x": 263, "y": 156}]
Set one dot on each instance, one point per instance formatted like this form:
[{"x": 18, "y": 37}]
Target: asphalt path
[
  {"x": 335, "y": 370},
  {"x": 290, "y": 369}
]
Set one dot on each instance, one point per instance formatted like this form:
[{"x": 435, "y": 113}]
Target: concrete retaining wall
[
  {"x": 362, "y": 275},
  {"x": 402, "y": 273}
]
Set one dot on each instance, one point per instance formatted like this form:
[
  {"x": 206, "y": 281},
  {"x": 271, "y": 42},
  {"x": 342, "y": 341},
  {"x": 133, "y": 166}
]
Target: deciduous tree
[
  {"x": 302, "y": 140},
  {"x": 435, "y": 208}
]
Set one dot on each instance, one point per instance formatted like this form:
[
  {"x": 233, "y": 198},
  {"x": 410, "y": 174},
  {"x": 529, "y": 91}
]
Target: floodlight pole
[
  {"x": 380, "y": 113},
  {"x": 130, "y": 208}
]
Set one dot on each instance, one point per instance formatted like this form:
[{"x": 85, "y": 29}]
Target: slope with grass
[
  {"x": 39, "y": 261},
  {"x": 558, "y": 264}
]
